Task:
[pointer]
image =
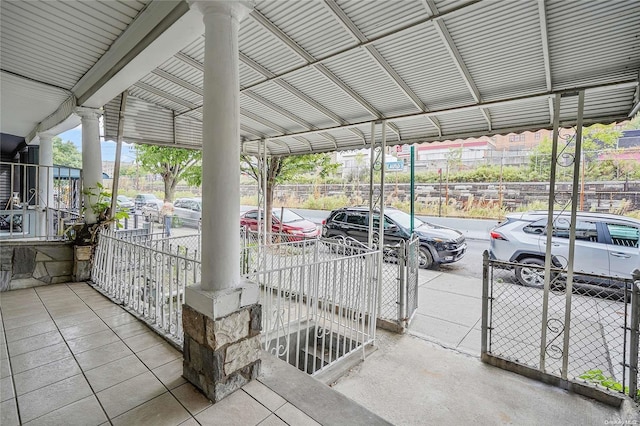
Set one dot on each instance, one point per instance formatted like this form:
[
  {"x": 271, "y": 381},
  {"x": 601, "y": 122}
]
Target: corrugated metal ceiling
[
  {"x": 313, "y": 75},
  {"x": 333, "y": 66}
]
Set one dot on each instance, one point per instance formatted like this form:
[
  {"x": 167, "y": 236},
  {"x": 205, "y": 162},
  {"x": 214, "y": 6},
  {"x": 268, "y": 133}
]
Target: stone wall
[
  {"x": 222, "y": 355},
  {"x": 27, "y": 264}
]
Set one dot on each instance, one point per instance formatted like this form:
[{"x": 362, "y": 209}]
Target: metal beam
[
  {"x": 544, "y": 34},
  {"x": 303, "y": 140},
  {"x": 190, "y": 61},
  {"x": 472, "y": 107},
  {"x": 289, "y": 88},
  {"x": 355, "y": 32},
  {"x": 281, "y": 143},
  {"x": 305, "y": 56},
  {"x": 248, "y": 129},
  {"x": 458, "y": 61},
  {"x": 279, "y": 109},
  {"x": 286, "y": 86},
  {"x": 264, "y": 121},
  {"x": 158, "y": 92},
  {"x": 178, "y": 81},
  {"x": 383, "y": 36}
]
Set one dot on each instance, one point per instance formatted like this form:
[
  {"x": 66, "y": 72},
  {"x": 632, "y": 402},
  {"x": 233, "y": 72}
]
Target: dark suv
[{"x": 438, "y": 244}]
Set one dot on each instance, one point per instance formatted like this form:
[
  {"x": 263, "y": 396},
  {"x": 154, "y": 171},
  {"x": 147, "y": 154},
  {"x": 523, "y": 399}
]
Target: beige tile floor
[{"x": 70, "y": 356}]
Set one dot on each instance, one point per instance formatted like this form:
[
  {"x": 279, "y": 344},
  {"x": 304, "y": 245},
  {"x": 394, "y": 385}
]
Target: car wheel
[
  {"x": 425, "y": 258},
  {"x": 530, "y": 277}
]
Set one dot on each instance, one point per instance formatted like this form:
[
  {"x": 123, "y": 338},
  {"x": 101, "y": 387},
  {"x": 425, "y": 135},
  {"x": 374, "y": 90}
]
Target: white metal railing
[
  {"x": 319, "y": 300},
  {"x": 319, "y": 297},
  {"x": 36, "y": 201},
  {"x": 134, "y": 272}
]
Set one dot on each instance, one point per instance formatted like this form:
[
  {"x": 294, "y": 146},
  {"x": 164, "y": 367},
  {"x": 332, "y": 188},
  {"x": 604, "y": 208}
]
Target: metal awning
[{"x": 314, "y": 74}]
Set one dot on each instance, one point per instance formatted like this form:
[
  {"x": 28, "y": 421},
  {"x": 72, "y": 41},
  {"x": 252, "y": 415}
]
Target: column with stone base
[{"x": 221, "y": 351}]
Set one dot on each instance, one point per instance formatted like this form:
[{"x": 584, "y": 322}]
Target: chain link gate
[
  {"x": 597, "y": 347},
  {"x": 399, "y": 285}
]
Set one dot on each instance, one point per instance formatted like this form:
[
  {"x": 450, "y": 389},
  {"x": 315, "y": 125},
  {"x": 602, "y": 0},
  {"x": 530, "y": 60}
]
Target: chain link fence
[{"x": 587, "y": 335}]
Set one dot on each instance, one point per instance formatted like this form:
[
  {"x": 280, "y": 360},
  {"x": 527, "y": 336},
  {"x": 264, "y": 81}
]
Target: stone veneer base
[{"x": 221, "y": 355}]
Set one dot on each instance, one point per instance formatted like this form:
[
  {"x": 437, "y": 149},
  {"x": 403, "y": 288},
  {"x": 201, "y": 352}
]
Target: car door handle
[
  {"x": 618, "y": 254},
  {"x": 553, "y": 244}
]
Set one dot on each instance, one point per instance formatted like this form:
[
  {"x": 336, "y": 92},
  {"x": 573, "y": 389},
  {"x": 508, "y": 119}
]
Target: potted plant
[{"x": 85, "y": 236}]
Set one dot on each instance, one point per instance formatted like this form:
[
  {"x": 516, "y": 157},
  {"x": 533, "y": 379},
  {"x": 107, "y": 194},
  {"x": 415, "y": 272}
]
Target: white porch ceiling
[{"x": 314, "y": 74}]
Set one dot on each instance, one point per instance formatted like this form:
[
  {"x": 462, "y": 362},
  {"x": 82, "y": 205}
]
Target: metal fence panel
[{"x": 602, "y": 326}]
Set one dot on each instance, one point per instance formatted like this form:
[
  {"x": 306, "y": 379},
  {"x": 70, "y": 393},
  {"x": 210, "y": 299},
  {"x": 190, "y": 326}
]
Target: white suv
[{"x": 606, "y": 245}]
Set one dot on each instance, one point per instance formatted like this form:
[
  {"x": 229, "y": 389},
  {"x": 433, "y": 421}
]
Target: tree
[
  {"x": 634, "y": 123},
  {"x": 173, "y": 164},
  {"x": 66, "y": 154},
  {"x": 282, "y": 169}
]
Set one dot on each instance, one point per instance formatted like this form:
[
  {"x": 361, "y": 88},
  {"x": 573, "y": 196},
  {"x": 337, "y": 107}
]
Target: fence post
[
  {"x": 485, "y": 303},
  {"x": 402, "y": 303},
  {"x": 634, "y": 341}
]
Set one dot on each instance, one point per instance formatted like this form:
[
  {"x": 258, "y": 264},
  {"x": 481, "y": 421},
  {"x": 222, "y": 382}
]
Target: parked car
[
  {"x": 291, "y": 223},
  {"x": 605, "y": 245},
  {"x": 151, "y": 210},
  {"x": 142, "y": 199},
  {"x": 187, "y": 212},
  {"x": 438, "y": 244},
  {"x": 125, "y": 204}
]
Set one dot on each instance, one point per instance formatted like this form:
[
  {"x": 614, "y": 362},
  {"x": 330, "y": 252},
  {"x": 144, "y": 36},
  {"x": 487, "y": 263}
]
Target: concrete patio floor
[{"x": 71, "y": 356}]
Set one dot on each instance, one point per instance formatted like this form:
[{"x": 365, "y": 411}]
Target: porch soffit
[{"x": 313, "y": 75}]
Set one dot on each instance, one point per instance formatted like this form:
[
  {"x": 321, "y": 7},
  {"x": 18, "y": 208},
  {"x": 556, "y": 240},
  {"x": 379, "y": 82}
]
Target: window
[
  {"x": 387, "y": 222},
  {"x": 340, "y": 217},
  {"x": 252, "y": 215},
  {"x": 623, "y": 235},
  {"x": 516, "y": 138},
  {"x": 537, "y": 135},
  {"x": 356, "y": 219},
  {"x": 537, "y": 227},
  {"x": 585, "y": 231}
]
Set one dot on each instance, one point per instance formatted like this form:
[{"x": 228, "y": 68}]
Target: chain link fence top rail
[{"x": 599, "y": 326}]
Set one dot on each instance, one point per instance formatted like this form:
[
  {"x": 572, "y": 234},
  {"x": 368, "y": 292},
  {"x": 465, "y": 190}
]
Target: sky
[{"x": 108, "y": 148}]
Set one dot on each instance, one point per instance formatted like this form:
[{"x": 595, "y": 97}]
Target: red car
[{"x": 292, "y": 224}]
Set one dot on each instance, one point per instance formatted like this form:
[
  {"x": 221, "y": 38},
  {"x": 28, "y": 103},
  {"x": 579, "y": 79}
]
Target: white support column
[
  {"x": 45, "y": 180},
  {"x": 219, "y": 360},
  {"x": 91, "y": 157},
  {"x": 221, "y": 145}
]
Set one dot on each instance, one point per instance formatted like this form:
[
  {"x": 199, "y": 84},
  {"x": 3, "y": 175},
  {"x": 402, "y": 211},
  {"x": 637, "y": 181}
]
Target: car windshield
[
  {"x": 289, "y": 216},
  {"x": 403, "y": 219},
  {"x": 122, "y": 199}
]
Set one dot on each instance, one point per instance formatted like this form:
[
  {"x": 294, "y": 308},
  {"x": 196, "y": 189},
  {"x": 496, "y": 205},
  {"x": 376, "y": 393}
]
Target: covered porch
[{"x": 71, "y": 356}]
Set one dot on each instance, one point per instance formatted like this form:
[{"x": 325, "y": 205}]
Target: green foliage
[
  {"x": 288, "y": 169},
  {"x": 173, "y": 164},
  {"x": 101, "y": 206},
  {"x": 66, "y": 154},
  {"x": 326, "y": 203},
  {"x": 84, "y": 234},
  {"x": 285, "y": 169},
  {"x": 597, "y": 377},
  {"x": 634, "y": 123},
  {"x": 594, "y": 139}
]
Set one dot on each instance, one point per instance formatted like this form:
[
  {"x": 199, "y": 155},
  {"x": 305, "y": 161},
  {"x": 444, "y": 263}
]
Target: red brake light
[
  {"x": 497, "y": 236},
  {"x": 324, "y": 221}
]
